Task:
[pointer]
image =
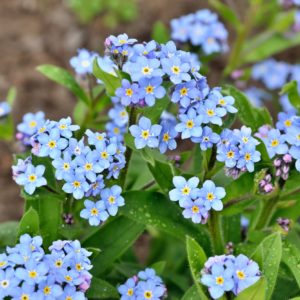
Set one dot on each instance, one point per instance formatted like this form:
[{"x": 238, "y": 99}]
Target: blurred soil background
[{"x": 34, "y": 32}]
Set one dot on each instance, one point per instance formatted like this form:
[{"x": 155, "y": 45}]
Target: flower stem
[{"x": 214, "y": 224}]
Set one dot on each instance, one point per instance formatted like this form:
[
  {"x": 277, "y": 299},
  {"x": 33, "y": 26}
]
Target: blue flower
[
  {"x": 167, "y": 137},
  {"x": 76, "y": 184},
  {"x": 76, "y": 147},
  {"x": 168, "y": 50},
  {"x": 228, "y": 154},
  {"x": 223, "y": 101},
  {"x": 83, "y": 62},
  {"x": 66, "y": 128},
  {"x": 146, "y": 290},
  {"x": 211, "y": 113},
  {"x": 145, "y": 134},
  {"x": 114, "y": 169},
  {"x": 121, "y": 40},
  {"x": 184, "y": 189},
  {"x": 176, "y": 69},
  {"x": 5, "y": 109},
  {"x": 8, "y": 282},
  {"x": 49, "y": 290},
  {"x": 292, "y": 135},
  {"x": 195, "y": 210},
  {"x": 112, "y": 199},
  {"x": 146, "y": 49},
  {"x": 295, "y": 152},
  {"x": 95, "y": 138},
  {"x": 95, "y": 212},
  {"x": 96, "y": 187},
  {"x": 25, "y": 290},
  {"x": 143, "y": 67},
  {"x": 119, "y": 115},
  {"x": 127, "y": 290},
  {"x": 275, "y": 143},
  {"x": 64, "y": 165},
  {"x": 243, "y": 136},
  {"x": 185, "y": 93},
  {"x": 32, "y": 178},
  {"x": 219, "y": 281},
  {"x": 113, "y": 130},
  {"x": 31, "y": 123},
  {"x": 285, "y": 120},
  {"x": 212, "y": 195},
  {"x": 207, "y": 139},
  {"x": 51, "y": 144},
  {"x": 151, "y": 89},
  {"x": 246, "y": 273},
  {"x": 70, "y": 292},
  {"x": 149, "y": 273},
  {"x": 107, "y": 65},
  {"x": 129, "y": 93},
  {"x": 190, "y": 125},
  {"x": 105, "y": 153},
  {"x": 247, "y": 157}
]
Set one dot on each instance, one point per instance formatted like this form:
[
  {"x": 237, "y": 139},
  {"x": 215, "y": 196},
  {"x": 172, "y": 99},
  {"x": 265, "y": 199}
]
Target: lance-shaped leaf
[
  {"x": 29, "y": 223},
  {"x": 256, "y": 291},
  {"x": 101, "y": 289}
]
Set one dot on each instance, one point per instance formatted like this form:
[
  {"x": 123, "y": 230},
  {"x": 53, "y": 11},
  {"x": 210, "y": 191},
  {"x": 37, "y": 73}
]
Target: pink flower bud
[{"x": 287, "y": 158}]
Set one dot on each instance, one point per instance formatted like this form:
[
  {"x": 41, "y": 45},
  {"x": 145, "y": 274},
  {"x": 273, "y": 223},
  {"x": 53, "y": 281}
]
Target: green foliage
[
  {"x": 8, "y": 233},
  {"x": 291, "y": 89},
  {"x": 101, "y": 289},
  {"x": 254, "y": 292},
  {"x": 63, "y": 77},
  {"x": 29, "y": 223},
  {"x": 160, "y": 32}
]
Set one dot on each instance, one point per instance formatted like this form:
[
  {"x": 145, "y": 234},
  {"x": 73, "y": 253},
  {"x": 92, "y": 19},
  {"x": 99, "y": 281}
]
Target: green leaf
[
  {"x": 159, "y": 267},
  {"x": 160, "y": 33},
  {"x": 268, "y": 256},
  {"x": 196, "y": 258},
  {"x": 64, "y": 78},
  {"x": 291, "y": 89},
  {"x": 226, "y": 12},
  {"x": 154, "y": 112},
  {"x": 50, "y": 216},
  {"x": 291, "y": 257},
  {"x": 291, "y": 187},
  {"x": 101, "y": 289},
  {"x": 191, "y": 294},
  {"x": 256, "y": 291},
  {"x": 113, "y": 238},
  {"x": 29, "y": 223},
  {"x": 8, "y": 233},
  {"x": 11, "y": 96},
  {"x": 111, "y": 82},
  {"x": 7, "y": 128},
  {"x": 267, "y": 44},
  {"x": 249, "y": 115},
  {"x": 151, "y": 208}
]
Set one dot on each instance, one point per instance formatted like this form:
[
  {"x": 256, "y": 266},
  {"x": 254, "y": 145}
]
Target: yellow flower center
[
  {"x": 219, "y": 280},
  {"x": 32, "y": 178},
  {"x": 175, "y": 70},
  {"x": 166, "y": 137},
  {"x": 186, "y": 190},
  {"x": 288, "y": 123},
  {"x": 25, "y": 297},
  {"x": 210, "y": 196},
  {"x": 222, "y": 102},
  {"x": 124, "y": 52},
  {"x": 78, "y": 267},
  {"x": 189, "y": 124},
  {"x": 130, "y": 292},
  {"x": 274, "y": 143},
  {"x": 66, "y": 166},
  {"x": 149, "y": 89},
  {"x": 210, "y": 40},
  {"x": 32, "y": 274},
  {"x": 51, "y": 144},
  {"x": 145, "y": 134},
  {"x": 146, "y": 70},
  {"x": 2, "y": 263},
  {"x": 94, "y": 211},
  {"x": 245, "y": 139},
  {"x": 206, "y": 139},
  {"x": 116, "y": 51},
  {"x": 230, "y": 154},
  {"x": 68, "y": 278},
  {"x": 122, "y": 41},
  {"x": 88, "y": 167},
  {"x": 111, "y": 199},
  {"x": 76, "y": 184},
  {"x": 63, "y": 126},
  {"x": 47, "y": 290},
  {"x": 4, "y": 283},
  {"x": 32, "y": 124},
  {"x": 116, "y": 130},
  {"x": 241, "y": 275},
  {"x": 129, "y": 92},
  {"x": 104, "y": 154},
  {"x": 210, "y": 112},
  {"x": 100, "y": 137},
  {"x": 42, "y": 129},
  {"x": 123, "y": 113},
  {"x": 148, "y": 295},
  {"x": 183, "y": 91},
  {"x": 58, "y": 263},
  {"x": 195, "y": 209},
  {"x": 247, "y": 156}
]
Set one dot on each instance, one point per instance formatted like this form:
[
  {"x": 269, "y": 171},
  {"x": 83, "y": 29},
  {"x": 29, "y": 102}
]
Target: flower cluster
[
  {"x": 82, "y": 166},
  {"x": 27, "y": 272},
  {"x": 197, "y": 202},
  {"x": 5, "y": 109},
  {"x": 226, "y": 273},
  {"x": 29, "y": 176},
  {"x": 30, "y": 125},
  {"x": 237, "y": 149},
  {"x": 202, "y": 29},
  {"x": 283, "y": 141},
  {"x": 83, "y": 62},
  {"x": 145, "y": 285}
]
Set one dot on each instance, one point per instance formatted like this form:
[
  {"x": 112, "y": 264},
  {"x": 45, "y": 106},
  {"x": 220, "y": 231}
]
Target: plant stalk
[{"x": 214, "y": 224}]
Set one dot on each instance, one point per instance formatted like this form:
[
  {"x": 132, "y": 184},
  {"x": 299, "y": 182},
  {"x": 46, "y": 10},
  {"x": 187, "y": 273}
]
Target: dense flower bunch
[
  {"x": 197, "y": 202},
  {"x": 145, "y": 285},
  {"x": 283, "y": 142},
  {"x": 5, "y": 109},
  {"x": 226, "y": 273},
  {"x": 27, "y": 272},
  {"x": 201, "y": 29},
  {"x": 83, "y": 167}
]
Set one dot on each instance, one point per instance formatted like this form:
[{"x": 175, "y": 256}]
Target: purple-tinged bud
[
  {"x": 277, "y": 162},
  {"x": 284, "y": 224},
  {"x": 278, "y": 173},
  {"x": 268, "y": 188},
  {"x": 262, "y": 183},
  {"x": 86, "y": 277},
  {"x": 285, "y": 169},
  {"x": 68, "y": 219},
  {"x": 142, "y": 103},
  {"x": 287, "y": 158},
  {"x": 107, "y": 42},
  {"x": 263, "y": 131},
  {"x": 229, "y": 248},
  {"x": 19, "y": 136},
  {"x": 236, "y": 74},
  {"x": 135, "y": 278},
  {"x": 268, "y": 178},
  {"x": 285, "y": 176}
]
